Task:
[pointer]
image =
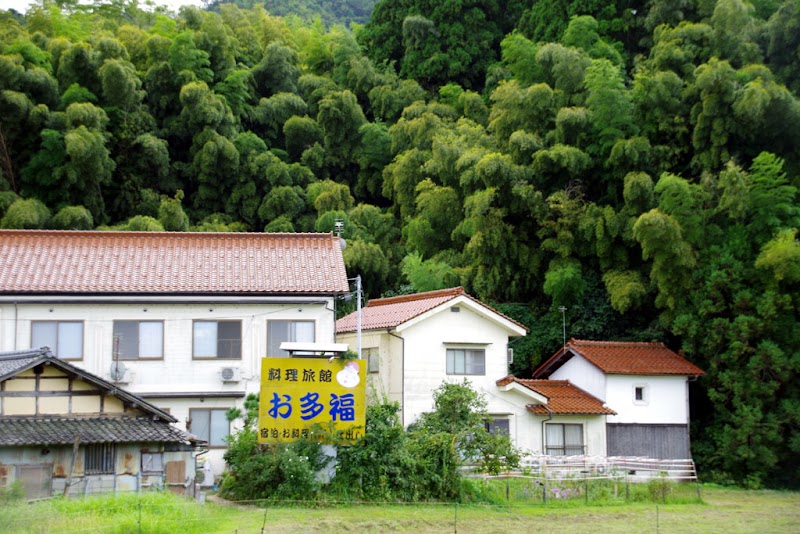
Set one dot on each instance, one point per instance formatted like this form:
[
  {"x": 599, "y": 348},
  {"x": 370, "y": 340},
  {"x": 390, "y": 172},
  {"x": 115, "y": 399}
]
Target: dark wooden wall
[{"x": 652, "y": 441}]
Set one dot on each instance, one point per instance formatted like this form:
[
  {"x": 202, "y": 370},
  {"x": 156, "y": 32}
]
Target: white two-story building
[
  {"x": 180, "y": 319},
  {"x": 414, "y": 343}
]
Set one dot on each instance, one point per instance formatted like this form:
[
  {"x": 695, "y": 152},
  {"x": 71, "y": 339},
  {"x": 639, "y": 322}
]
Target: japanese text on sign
[{"x": 297, "y": 393}]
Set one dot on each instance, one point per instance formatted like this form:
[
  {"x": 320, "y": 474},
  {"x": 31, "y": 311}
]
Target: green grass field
[{"x": 722, "y": 510}]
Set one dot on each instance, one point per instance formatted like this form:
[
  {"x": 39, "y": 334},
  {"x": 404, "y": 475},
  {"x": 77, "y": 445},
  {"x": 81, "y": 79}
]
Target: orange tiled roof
[
  {"x": 394, "y": 311},
  {"x": 622, "y": 358},
  {"x": 563, "y": 398},
  {"x": 33, "y": 261}
]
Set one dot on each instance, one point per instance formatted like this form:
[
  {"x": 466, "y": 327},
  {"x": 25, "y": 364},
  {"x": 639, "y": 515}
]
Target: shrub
[
  {"x": 143, "y": 223},
  {"x": 29, "y": 214},
  {"x": 72, "y": 218},
  {"x": 14, "y": 492}
]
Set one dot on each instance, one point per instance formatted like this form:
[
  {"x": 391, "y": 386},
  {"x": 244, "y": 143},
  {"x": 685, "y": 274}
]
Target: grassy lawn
[{"x": 722, "y": 510}]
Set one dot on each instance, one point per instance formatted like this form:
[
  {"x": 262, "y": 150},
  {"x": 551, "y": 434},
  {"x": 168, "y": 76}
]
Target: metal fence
[{"x": 592, "y": 478}]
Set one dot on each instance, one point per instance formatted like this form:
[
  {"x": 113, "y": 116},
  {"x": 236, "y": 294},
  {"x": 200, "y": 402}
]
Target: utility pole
[
  {"x": 563, "y": 310},
  {"x": 358, "y": 314}
]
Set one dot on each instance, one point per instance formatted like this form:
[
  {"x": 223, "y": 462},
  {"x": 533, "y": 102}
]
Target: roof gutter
[
  {"x": 151, "y": 299},
  {"x": 403, "y": 375}
]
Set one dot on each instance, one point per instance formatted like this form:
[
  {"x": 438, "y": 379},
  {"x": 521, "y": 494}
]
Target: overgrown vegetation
[
  {"x": 638, "y": 166},
  {"x": 387, "y": 464}
]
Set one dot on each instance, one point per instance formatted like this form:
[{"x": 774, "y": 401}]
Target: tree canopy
[{"x": 637, "y": 164}]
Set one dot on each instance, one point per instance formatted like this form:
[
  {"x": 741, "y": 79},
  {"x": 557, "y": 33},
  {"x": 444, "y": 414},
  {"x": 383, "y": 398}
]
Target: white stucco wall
[
  {"x": 177, "y": 372},
  {"x": 584, "y": 375},
  {"x": 426, "y": 344},
  {"x": 665, "y": 399},
  {"x": 526, "y": 428}
]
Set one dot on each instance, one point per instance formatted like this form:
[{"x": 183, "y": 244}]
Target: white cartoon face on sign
[{"x": 348, "y": 377}]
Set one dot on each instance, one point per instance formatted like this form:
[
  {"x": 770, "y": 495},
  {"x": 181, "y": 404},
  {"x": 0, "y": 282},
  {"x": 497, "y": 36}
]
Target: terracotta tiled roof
[
  {"x": 622, "y": 358},
  {"x": 62, "y": 262},
  {"x": 394, "y": 311},
  {"x": 20, "y": 431},
  {"x": 563, "y": 398}
]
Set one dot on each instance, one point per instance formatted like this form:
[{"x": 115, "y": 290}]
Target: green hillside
[{"x": 635, "y": 162}]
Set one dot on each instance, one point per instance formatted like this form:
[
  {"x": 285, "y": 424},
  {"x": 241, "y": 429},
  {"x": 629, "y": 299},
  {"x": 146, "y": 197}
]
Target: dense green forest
[{"x": 634, "y": 162}]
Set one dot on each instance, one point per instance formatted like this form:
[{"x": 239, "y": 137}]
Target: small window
[
  {"x": 152, "y": 462},
  {"x": 294, "y": 331},
  {"x": 100, "y": 459},
  {"x": 466, "y": 362},
  {"x": 372, "y": 356},
  {"x": 65, "y": 338},
  {"x": 138, "y": 339},
  {"x": 498, "y": 426},
  {"x": 211, "y": 426},
  {"x": 217, "y": 339},
  {"x": 564, "y": 440},
  {"x": 640, "y": 394}
]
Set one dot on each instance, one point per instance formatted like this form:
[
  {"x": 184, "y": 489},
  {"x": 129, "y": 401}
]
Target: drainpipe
[
  {"x": 16, "y": 324},
  {"x": 403, "y": 376}
]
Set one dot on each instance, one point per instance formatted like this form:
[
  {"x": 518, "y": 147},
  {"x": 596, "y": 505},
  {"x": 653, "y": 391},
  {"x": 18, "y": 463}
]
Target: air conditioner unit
[
  {"x": 510, "y": 356},
  {"x": 230, "y": 374},
  {"x": 119, "y": 374}
]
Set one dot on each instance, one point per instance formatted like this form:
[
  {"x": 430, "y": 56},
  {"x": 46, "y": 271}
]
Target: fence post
[
  {"x": 455, "y": 519},
  {"x": 508, "y": 498},
  {"x": 544, "y": 490},
  {"x": 140, "y": 515},
  {"x": 586, "y": 486},
  {"x": 264, "y": 523},
  {"x": 627, "y": 488}
]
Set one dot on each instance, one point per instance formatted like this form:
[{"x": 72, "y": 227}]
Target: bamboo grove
[{"x": 635, "y": 162}]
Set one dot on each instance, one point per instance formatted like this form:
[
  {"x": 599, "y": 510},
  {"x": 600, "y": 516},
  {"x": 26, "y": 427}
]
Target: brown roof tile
[
  {"x": 622, "y": 358},
  {"x": 563, "y": 398},
  {"x": 34, "y": 261},
  {"x": 394, "y": 311}
]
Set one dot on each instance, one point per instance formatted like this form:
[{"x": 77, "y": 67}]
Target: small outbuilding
[
  {"x": 64, "y": 430},
  {"x": 646, "y": 384}
]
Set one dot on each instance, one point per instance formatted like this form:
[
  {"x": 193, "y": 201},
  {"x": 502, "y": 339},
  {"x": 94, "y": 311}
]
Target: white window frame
[
  {"x": 465, "y": 369},
  {"x": 645, "y": 400},
  {"x": 57, "y": 345}
]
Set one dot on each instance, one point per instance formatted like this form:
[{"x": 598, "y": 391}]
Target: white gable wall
[
  {"x": 666, "y": 399},
  {"x": 426, "y": 344},
  {"x": 583, "y": 374}
]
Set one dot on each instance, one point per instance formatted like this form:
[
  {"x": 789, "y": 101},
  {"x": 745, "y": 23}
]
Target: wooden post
[{"x": 75, "y": 446}]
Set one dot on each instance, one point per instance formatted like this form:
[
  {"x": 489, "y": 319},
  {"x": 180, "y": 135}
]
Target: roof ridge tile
[{"x": 413, "y": 297}]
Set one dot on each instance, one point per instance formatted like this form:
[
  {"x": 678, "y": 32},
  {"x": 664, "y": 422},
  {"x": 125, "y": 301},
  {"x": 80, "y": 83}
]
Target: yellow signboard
[{"x": 297, "y": 393}]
